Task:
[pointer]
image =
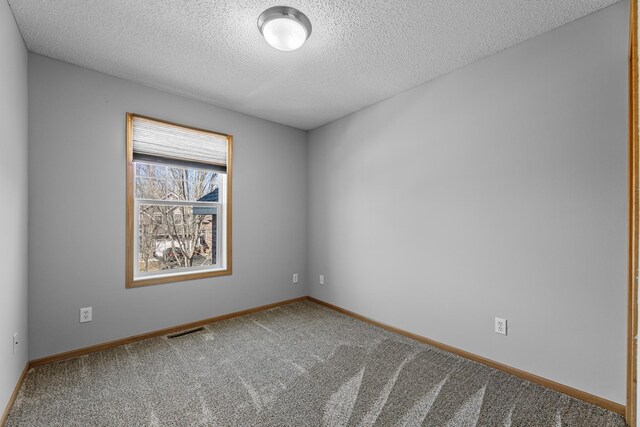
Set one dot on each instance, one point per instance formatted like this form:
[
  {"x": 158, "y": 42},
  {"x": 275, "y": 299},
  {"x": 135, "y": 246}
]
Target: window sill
[{"x": 176, "y": 277}]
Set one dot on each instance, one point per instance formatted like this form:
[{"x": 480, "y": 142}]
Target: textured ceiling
[{"x": 360, "y": 51}]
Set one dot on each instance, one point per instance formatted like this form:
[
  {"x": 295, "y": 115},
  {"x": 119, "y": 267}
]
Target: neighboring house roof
[{"x": 211, "y": 197}]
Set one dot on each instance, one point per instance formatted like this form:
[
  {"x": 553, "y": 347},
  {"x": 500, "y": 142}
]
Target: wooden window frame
[{"x": 130, "y": 280}]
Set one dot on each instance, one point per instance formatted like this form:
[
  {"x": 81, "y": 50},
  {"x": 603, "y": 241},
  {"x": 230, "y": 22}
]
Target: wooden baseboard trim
[
  {"x": 570, "y": 391},
  {"x": 12, "y": 399},
  {"x": 173, "y": 329}
]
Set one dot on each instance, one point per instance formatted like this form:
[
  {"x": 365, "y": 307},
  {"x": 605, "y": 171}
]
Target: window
[
  {"x": 178, "y": 202},
  {"x": 177, "y": 217}
]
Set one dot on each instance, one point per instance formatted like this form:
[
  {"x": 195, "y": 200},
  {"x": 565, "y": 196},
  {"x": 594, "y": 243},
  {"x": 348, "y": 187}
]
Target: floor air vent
[{"x": 180, "y": 334}]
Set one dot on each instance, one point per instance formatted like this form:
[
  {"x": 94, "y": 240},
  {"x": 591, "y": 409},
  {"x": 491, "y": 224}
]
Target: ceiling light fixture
[{"x": 284, "y": 28}]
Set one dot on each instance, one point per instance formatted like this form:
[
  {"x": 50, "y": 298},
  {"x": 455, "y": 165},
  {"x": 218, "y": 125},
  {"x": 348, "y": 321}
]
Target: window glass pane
[
  {"x": 176, "y": 237},
  {"x": 150, "y": 187},
  {"x": 174, "y": 183}
]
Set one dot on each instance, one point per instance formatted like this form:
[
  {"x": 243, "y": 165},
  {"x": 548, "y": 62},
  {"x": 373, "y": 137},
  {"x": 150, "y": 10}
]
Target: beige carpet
[{"x": 297, "y": 365}]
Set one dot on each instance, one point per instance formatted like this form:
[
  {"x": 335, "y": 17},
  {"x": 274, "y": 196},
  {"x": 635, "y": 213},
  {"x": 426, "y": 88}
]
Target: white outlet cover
[
  {"x": 15, "y": 342},
  {"x": 322, "y": 279},
  {"x": 86, "y": 314},
  {"x": 501, "y": 326},
  {"x": 296, "y": 278}
]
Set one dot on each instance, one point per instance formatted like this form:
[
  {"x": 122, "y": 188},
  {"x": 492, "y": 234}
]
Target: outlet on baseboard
[
  {"x": 322, "y": 279},
  {"x": 501, "y": 326},
  {"x": 296, "y": 278},
  {"x": 86, "y": 314}
]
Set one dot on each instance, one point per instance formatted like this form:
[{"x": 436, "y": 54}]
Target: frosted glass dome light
[{"x": 284, "y": 28}]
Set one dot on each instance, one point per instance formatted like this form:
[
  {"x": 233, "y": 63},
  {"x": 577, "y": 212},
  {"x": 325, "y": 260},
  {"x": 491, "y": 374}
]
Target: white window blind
[{"x": 164, "y": 143}]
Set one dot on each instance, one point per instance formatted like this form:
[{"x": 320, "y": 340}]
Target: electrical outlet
[
  {"x": 86, "y": 314},
  {"x": 15, "y": 342},
  {"x": 295, "y": 278},
  {"x": 322, "y": 279},
  {"x": 501, "y": 326}
]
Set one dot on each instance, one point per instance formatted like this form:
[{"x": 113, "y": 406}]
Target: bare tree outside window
[{"x": 181, "y": 234}]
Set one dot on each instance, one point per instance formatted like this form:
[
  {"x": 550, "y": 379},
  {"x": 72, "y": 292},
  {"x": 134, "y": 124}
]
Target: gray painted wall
[
  {"x": 497, "y": 190},
  {"x": 77, "y": 211},
  {"x": 13, "y": 214}
]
